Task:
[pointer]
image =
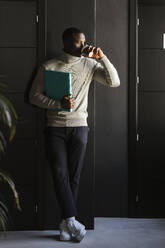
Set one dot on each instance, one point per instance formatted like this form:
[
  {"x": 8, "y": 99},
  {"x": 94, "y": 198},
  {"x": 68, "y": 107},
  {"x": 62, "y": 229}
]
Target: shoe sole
[{"x": 81, "y": 235}]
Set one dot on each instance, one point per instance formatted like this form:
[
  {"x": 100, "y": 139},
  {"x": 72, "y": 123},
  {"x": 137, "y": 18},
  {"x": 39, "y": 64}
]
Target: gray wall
[{"x": 106, "y": 24}]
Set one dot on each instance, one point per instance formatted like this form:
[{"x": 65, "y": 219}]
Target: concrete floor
[{"x": 108, "y": 233}]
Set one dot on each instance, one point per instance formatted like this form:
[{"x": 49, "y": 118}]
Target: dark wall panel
[
  {"x": 152, "y": 2},
  {"x": 151, "y": 32},
  {"x": 151, "y": 61},
  {"x": 20, "y": 19},
  {"x": 18, "y": 49},
  {"x": 21, "y": 167},
  {"x": 111, "y": 112},
  {"x": 9, "y": 71},
  {"x": 150, "y": 147},
  {"x": 151, "y": 156}
]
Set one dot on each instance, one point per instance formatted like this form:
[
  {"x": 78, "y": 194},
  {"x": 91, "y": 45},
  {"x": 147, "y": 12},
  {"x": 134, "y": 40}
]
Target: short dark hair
[{"x": 68, "y": 33}]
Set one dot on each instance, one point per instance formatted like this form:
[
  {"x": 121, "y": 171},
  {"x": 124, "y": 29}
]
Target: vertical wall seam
[
  {"x": 94, "y": 102},
  {"x": 46, "y": 21}
]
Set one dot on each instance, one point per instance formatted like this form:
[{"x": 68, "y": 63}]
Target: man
[{"x": 66, "y": 133}]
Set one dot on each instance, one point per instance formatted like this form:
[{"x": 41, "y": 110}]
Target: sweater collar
[{"x": 68, "y": 58}]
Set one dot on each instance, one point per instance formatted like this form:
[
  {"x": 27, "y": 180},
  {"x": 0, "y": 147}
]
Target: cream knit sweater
[{"x": 83, "y": 71}]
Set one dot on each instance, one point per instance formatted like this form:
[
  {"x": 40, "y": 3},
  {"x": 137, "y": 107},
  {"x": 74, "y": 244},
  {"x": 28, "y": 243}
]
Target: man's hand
[
  {"x": 68, "y": 101},
  {"x": 95, "y": 52}
]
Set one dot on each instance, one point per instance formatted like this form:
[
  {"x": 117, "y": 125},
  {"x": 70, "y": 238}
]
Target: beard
[{"x": 77, "y": 51}]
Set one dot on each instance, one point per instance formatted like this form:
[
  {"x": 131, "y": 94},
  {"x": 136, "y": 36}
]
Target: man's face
[{"x": 76, "y": 43}]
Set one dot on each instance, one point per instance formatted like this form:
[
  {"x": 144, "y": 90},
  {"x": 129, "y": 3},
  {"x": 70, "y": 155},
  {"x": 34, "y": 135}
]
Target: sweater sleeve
[
  {"x": 37, "y": 94},
  {"x": 106, "y": 73}
]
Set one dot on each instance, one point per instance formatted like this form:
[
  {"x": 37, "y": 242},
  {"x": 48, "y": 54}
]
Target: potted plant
[{"x": 8, "y": 122}]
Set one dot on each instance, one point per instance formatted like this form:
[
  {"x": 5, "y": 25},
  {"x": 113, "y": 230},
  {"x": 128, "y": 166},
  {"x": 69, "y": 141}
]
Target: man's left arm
[{"x": 105, "y": 72}]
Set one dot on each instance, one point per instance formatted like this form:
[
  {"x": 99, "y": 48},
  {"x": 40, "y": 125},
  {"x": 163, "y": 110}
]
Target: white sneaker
[
  {"x": 77, "y": 229},
  {"x": 65, "y": 234}
]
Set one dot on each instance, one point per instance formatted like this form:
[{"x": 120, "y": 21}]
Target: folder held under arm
[{"x": 57, "y": 85}]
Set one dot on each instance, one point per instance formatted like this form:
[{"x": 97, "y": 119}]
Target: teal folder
[{"x": 57, "y": 85}]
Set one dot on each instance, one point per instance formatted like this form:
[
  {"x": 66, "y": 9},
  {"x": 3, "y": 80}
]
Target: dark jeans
[{"x": 65, "y": 150}]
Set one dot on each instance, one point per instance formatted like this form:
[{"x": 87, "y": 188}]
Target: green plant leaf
[
  {"x": 6, "y": 178},
  {"x": 8, "y": 115},
  {"x": 8, "y": 121},
  {"x": 3, "y": 216},
  {"x": 3, "y": 143}
]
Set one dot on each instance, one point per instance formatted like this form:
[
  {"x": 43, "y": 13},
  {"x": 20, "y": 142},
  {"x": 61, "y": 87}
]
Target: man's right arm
[{"x": 37, "y": 94}]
